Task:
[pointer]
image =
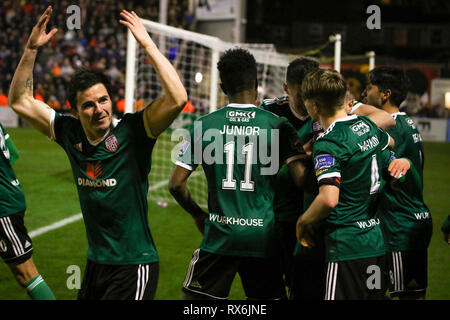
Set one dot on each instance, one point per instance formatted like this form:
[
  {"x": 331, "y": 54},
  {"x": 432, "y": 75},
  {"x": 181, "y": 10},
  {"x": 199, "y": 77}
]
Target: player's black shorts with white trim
[
  {"x": 15, "y": 243},
  {"x": 211, "y": 275},
  {"x": 359, "y": 279},
  {"x": 408, "y": 273},
  {"x": 119, "y": 282}
]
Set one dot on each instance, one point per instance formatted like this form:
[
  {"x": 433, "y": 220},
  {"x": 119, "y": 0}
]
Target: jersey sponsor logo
[
  {"x": 94, "y": 170},
  {"x": 422, "y": 215},
  {"x": 322, "y": 163},
  {"x": 417, "y": 137},
  {"x": 240, "y": 116},
  {"x": 236, "y": 221},
  {"x": 410, "y": 122},
  {"x": 360, "y": 128},
  {"x": 112, "y": 144},
  {"x": 369, "y": 144},
  {"x": 5, "y": 150},
  {"x": 368, "y": 224},
  {"x": 106, "y": 183}
]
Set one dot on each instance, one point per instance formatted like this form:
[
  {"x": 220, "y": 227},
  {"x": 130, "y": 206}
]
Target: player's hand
[
  {"x": 308, "y": 147},
  {"x": 136, "y": 27},
  {"x": 305, "y": 235},
  {"x": 398, "y": 167},
  {"x": 39, "y": 36}
]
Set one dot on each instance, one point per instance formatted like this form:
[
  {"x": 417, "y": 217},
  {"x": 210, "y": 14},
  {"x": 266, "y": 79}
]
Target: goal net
[{"x": 195, "y": 58}]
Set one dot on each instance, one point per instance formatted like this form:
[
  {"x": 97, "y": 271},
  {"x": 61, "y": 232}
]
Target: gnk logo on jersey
[
  {"x": 94, "y": 170},
  {"x": 360, "y": 128},
  {"x": 240, "y": 116},
  {"x": 112, "y": 144}
]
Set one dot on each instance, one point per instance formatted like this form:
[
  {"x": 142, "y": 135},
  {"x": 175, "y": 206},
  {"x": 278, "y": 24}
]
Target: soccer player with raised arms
[
  {"x": 349, "y": 159},
  {"x": 110, "y": 162},
  {"x": 239, "y": 233},
  {"x": 405, "y": 219}
]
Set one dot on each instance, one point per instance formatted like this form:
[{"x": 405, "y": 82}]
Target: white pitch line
[
  {"x": 79, "y": 216},
  {"x": 55, "y": 225}
]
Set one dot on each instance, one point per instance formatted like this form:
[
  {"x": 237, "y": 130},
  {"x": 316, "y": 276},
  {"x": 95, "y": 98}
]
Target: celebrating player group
[{"x": 311, "y": 196}]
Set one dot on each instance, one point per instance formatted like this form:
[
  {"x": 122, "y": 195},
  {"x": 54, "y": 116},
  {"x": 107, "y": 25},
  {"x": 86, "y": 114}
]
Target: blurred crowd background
[{"x": 100, "y": 43}]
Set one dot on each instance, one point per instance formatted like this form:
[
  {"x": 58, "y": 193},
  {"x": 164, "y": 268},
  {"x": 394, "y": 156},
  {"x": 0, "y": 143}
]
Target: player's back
[
  {"x": 406, "y": 219},
  {"x": 241, "y": 154},
  {"x": 352, "y": 151}
]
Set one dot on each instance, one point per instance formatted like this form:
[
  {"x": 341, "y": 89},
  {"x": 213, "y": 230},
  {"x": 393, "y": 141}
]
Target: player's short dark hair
[
  {"x": 392, "y": 78},
  {"x": 83, "y": 79},
  {"x": 325, "y": 88},
  {"x": 299, "y": 68},
  {"x": 238, "y": 71}
]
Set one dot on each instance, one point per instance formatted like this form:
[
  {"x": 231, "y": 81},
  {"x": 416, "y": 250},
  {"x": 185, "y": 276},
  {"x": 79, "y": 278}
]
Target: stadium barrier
[{"x": 8, "y": 118}]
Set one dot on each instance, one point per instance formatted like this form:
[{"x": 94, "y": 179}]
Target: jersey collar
[{"x": 239, "y": 105}]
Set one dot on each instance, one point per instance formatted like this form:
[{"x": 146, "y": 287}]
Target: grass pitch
[{"x": 44, "y": 172}]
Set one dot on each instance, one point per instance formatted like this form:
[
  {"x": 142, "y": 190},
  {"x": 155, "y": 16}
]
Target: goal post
[{"x": 195, "y": 57}]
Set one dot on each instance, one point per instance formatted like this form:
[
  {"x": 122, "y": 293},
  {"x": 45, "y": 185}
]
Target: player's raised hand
[
  {"x": 398, "y": 167},
  {"x": 136, "y": 27},
  {"x": 39, "y": 36}
]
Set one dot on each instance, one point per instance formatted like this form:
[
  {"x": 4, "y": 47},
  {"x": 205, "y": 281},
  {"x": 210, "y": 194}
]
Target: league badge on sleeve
[
  {"x": 322, "y": 163},
  {"x": 112, "y": 144}
]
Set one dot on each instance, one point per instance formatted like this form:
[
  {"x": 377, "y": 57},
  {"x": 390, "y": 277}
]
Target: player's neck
[
  {"x": 95, "y": 139},
  {"x": 390, "y": 108},
  {"x": 327, "y": 121},
  {"x": 244, "y": 97}
]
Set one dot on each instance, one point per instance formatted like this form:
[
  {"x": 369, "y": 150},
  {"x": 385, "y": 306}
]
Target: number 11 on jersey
[{"x": 230, "y": 183}]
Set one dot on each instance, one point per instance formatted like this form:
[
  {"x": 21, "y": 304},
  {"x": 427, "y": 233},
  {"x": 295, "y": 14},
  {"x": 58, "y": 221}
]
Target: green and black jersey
[
  {"x": 241, "y": 148},
  {"x": 405, "y": 219},
  {"x": 12, "y": 199},
  {"x": 288, "y": 201},
  {"x": 112, "y": 183},
  {"x": 352, "y": 155}
]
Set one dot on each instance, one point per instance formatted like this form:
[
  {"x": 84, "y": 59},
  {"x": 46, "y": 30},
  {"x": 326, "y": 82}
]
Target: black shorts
[
  {"x": 119, "y": 282},
  {"x": 359, "y": 279},
  {"x": 408, "y": 273},
  {"x": 212, "y": 275},
  {"x": 15, "y": 243},
  {"x": 308, "y": 279}
]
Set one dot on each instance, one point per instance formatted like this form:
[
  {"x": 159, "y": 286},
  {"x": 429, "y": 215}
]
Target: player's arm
[
  {"x": 381, "y": 118},
  {"x": 179, "y": 190},
  {"x": 320, "y": 208},
  {"x": 20, "y": 96},
  {"x": 163, "y": 111},
  {"x": 303, "y": 175}
]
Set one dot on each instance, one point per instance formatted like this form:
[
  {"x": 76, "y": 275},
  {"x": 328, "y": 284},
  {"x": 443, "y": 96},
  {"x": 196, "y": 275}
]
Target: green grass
[{"x": 44, "y": 172}]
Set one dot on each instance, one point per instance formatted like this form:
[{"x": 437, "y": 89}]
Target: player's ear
[
  {"x": 285, "y": 88},
  {"x": 385, "y": 95},
  {"x": 74, "y": 111}
]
